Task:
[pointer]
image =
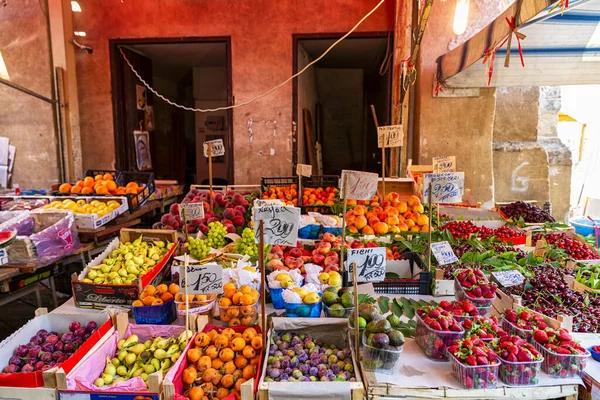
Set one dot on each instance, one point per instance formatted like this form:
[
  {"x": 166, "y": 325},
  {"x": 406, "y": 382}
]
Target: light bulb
[{"x": 461, "y": 15}]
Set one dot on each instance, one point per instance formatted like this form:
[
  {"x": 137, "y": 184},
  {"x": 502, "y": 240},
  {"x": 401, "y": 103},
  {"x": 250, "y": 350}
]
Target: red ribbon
[
  {"x": 563, "y": 5},
  {"x": 511, "y": 22},
  {"x": 439, "y": 87},
  {"x": 488, "y": 58},
  {"x": 408, "y": 61}
]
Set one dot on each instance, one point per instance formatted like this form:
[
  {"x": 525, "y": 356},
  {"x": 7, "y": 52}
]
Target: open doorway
[
  {"x": 332, "y": 101},
  {"x": 195, "y": 73}
]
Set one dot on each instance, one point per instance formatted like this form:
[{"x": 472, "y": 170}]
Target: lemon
[{"x": 80, "y": 202}]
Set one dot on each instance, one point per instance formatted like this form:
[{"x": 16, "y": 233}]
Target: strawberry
[
  {"x": 562, "y": 350},
  {"x": 540, "y": 337},
  {"x": 446, "y": 305},
  {"x": 471, "y": 360},
  {"x": 478, "y": 351},
  {"x": 524, "y": 356},
  {"x": 482, "y": 360},
  {"x": 435, "y": 314},
  {"x": 564, "y": 336},
  {"x": 435, "y": 326},
  {"x": 511, "y": 358},
  {"x": 525, "y": 315}
]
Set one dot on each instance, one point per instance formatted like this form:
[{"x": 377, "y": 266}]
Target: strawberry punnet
[{"x": 472, "y": 352}]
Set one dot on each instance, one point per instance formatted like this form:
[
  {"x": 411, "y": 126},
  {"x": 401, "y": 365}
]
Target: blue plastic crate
[
  {"x": 277, "y": 298},
  {"x": 584, "y": 226},
  {"x": 335, "y": 231},
  {"x": 303, "y": 310},
  {"x": 309, "y": 232},
  {"x": 163, "y": 314}
]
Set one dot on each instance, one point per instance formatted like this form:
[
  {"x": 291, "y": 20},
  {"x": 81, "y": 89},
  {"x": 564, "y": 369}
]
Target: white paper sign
[
  {"x": 280, "y": 224},
  {"x": 444, "y": 164},
  {"x": 447, "y": 187},
  {"x": 304, "y": 170},
  {"x": 201, "y": 279},
  {"x": 508, "y": 278},
  {"x": 391, "y": 135},
  {"x": 217, "y": 148},
  {"x": 370, "y": 264},
  {"x": 191, "y": 211},
  {"x": 443, "y": 253},
  {"x": 361, "y": 185}
]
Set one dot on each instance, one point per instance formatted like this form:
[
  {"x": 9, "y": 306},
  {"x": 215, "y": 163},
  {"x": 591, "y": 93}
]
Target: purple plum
[
  {"x": 323, "y": 358},
  {"x": 305, "y": 369},
  {"x": 32, "y": 361},
  {"x": 35, "y": 350},
  {"x": 46, "y": 356},
  {"x": 80, "y": 332},
  {"x": 59, "y": 346},
  {"x": 294, "y": 362},
  {"x": 39, "y": 365},
  {"x": 278, "y": 354},
  {"x": 16, "y": 360},
  {"x": 277, "y": 364},
  {"x": 90, "y": 326},
  {"x": 322, "y": 373},
  {"x": 35, "y": 339},
  {"x": 57, "y": 354},
  {"x": 288, "y": 371},
  {"x": 274, "y": 373},
  {"x": 67, "y": 337},
  {"x": 69, "y": 347},
  {"x": 22, "y": 351},
  {"x": 48, "y": 347},
  {"x": 27, "y": 368},
  {"x": 313, "y": 371},
  {"x": 73, "y": 326},
  {"x": 284, "y": 377},
  {"x": 52, "y": 339},
  {"x": 285, "y": 364},
  {"x": 11, "y": 369},
  {"x": 335, "y": 368},
  {"x": 61, "y": 359},
  {"x": 302, "y": 358},
  {"x": 42, "y": 333}
]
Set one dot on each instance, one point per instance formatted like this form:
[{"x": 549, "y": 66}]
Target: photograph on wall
[
  {"x": 149, "y": 119},
  {"x": 140, "y": 96},
  {"x": 142, "y": 150}
]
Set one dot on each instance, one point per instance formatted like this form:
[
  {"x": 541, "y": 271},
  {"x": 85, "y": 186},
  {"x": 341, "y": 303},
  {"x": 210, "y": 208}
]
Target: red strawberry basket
[
  {"x": 475, "y": 377},
  {"x": 563, "y": 365}
]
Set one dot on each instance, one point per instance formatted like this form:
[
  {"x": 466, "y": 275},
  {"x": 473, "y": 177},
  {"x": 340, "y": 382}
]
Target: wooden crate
[
  {"x": 442, "y": 287},
  {"x": 405, "y": 187}
]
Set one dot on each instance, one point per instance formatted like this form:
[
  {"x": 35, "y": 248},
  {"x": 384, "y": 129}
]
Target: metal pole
[{"x": 261, "y": 265}]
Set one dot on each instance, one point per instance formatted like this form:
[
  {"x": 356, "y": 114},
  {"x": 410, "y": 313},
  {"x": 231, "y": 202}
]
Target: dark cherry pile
[
  {"x": 529, "y": 212},
  {"x": 464, "y": 230},
  {"x": 574, "y": 248},
  {"x": 46, "y": 350}
]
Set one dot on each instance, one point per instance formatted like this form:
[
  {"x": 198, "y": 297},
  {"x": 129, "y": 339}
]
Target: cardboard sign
[
  {"x": 508, "y": 278},
  {"x": 280, "y": 224},
  {"x": 444, "y": 164},
  {"x": 447, "y": 187},
  {"x": 201, "y": 279},
  {"x": 370, "y": 263},
  {"x": 218, "y": 149},
  {"x": 391, "y": 136},
  {"x": 304, "y": 170},
  {"x": 361, "y": 185},
  {"x": 191, "y": 211},
  {"x": 443, "y": 253}
]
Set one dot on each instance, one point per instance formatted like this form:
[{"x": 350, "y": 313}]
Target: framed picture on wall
[
  {"x": 140, "y": 96},
  {"x": 149, "y": 119},
  {"x": 142, "y": 150}
]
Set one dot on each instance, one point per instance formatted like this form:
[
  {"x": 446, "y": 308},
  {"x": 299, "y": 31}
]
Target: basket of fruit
[
  {"x": 301, "y": 303},
  {"x": 199, "y": 304},
  {"x": 156, "y": 305},
  {"x": 522, "y": 323},
  {"x": 485, "y": 328},
  {"x": 280, "y": 188},
  {"x": 91, "y": 212},
  {"x": 436, "y": 331},
  {"x": 460, "y": 309},
  {"x": 563, "y": 356},
  {"x": 520, "y": 361},
  {"x": 338, "y": 302},
  {"x": 381, "y": 351},
  {"x": 238, "y": 306},
  {"x": 474, "y": 364},
  {"x": 530, "y": 213},
  {"x": 320, "y": 193},
  {"x": 472, "y": 284}
]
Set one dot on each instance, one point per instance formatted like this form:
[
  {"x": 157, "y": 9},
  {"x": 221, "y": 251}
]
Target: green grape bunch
[
  {"x": 246, "y": 245},
  {"x": 200, "y": 248}
]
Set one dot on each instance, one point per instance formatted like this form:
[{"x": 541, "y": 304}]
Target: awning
[{"x": 559, "y": 49}]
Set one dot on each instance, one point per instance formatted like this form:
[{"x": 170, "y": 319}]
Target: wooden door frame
[
  {"x": 116, "y": 62},
  {"x": 296, "y": 37}
]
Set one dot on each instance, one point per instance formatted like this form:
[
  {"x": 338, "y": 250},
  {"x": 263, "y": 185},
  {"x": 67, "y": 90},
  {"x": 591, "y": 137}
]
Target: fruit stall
[{"x": 385, "y": 298}]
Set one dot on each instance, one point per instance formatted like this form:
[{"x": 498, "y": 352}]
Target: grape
[
  {"x": 200, "y": 248},
  {"x": 246, "y": 245}
]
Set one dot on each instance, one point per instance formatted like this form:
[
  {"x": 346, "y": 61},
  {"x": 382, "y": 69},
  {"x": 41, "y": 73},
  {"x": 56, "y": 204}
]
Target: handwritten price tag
[
  {"x": 191, "y": 211},
  {"x": 443, "y": 253},
  {"x": 370, "y": 264},
  {"x": 444, "y": 164},
  {"x": 218, "y": 149},
  {"x": 361, "y": 185},
  {"x": 201, "y": 279},
  {"x": 280, "y": 224},
  {"x": 508, "y": 278},
  {"x": 304, "y": 170},
  {"x": 391, "y": 135},
  {"x": 447, "y": 187}
]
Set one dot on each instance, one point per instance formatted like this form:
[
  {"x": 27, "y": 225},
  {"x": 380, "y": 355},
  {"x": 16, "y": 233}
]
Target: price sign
[
  {"x": 361, "y": 185},
  {"x": 304, "y": 170},
  {"x": 444, "y": 164},
  {"x": 217, "y": 147},
  {"x": 201, "y": 279},
  {"x": 443, "y": 253},
  {"x": 391, "y": 136},
  {"x": 508, "y": 278},
  {"x": 280, "y": 224},
  {"x": 191, "y": 211},
  {"x": 370, "y": 264},
  {"x": 447, "y": 187}
]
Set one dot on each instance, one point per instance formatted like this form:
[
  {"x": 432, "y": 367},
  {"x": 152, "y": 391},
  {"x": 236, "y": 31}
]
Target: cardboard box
[
  {"x": 441, "y": 286},
  {"x": 405, "y": 187},
  {"x": 91, "y": 295},
  {"x": 51, "y": 322},
  {"x": 93, "y": 221}
]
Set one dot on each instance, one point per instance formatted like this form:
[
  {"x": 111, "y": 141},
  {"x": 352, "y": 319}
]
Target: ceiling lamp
[{"x": 461, "y": 16}]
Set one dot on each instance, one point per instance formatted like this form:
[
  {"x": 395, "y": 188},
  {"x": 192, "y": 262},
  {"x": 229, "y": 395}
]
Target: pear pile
[
  {"x": 128, "y": 262},
  {"x": 142, "y": 359}
]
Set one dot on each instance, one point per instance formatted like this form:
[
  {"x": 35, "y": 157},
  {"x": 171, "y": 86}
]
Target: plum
[
  {"x": 57, "y": 354},
  {"x": 79, "y": 332},
  {"x": 90, "y": 326},
  {"x": 69, "y": 347},
  {"x": 48, "y": 347},
  {"x": 52, "y": 338},
  {"x": 22, "y": 351},
  {"x": 42, "y": 333},
  {"x": 297, "y": 374},
  {"x": 294, "y": 362},
  {"x": 11, "y": 369},
  {"x": 59, "y": 346},
  {"x": 305, "y": 369},
  {"x": 288, "y": 371},
  {"x": 36, "y": 339},
  {"x": 16, "y": 360},
  {"x": 27, "y": 368},
  {"x": 39, "y": 365},
  {"x": 67, "y": 337},
  {"x": 32, "y": 361},
  {"x": 275, "y": 373},
  {"x": 35, "y": 350},
  {"x": 302, "y": 358},
  {"x": 313, "y": 371},
  {"x": 73, "y": 326},
  {"x": 46, "y": 356},
  {"x": 335, "y": 368},
  {"x": 61, "y": 360},
  {"x": 285, "y": 364},
  {"x": 284, "y": 377}
]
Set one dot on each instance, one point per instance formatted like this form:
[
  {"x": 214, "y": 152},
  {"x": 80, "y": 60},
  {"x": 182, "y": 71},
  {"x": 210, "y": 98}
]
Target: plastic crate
[
  {"x": 434, "y": 343},
  {"x": 309, "y": 232},
  {"x": 562, "y": 365},
  {"x": 384, "y": 361},
  {"x": 277, "y": 298},
  {"x": 514, "y": 330},
  {"x": 337, "y": 313},
  {"x": 301, "y": 310},
  {"x": 475, "y": 377},
  {"x": 146, "y": 179},
  {"x": 421, "y": 286},
  {"x": 321, "y": 181},
  {"x": 282, "y": 181},
  {"x": 162, "y": 314},
  {"x": 520, "y": 373},
  {"x": 94, "y": 172}
]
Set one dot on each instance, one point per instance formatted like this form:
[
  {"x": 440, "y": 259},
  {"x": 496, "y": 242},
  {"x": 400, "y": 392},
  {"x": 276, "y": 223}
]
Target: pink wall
[{"x": 261, "y": 35}]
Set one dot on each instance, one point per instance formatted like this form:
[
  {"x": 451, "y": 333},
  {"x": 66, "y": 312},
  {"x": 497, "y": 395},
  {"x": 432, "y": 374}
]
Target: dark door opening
[
  {"x": 195, "y": 73},
  {"x": 332, "y": 101}
]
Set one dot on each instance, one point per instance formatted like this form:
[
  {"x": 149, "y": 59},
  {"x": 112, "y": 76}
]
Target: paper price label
[
  {"x": 201, "y": 279},
  {"x": 444, "y": 164},
  {"x": 280, "y": 224},
  {"x": 390, "y": 136},
  {"x": 508, "y": 278},
  {"x": 447, "y": 187},
  {"x": 191, "y": 211},
  {"x": 217, "y": 148},
  {"x": 443, "y": 253},
  {"x": 370, "y": 264},
  {"x": 361, "y": 185},
  {"x": 304, "y": 170}
]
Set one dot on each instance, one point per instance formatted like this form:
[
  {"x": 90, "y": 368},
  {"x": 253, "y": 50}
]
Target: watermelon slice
[{"x": 7, "y": 238}]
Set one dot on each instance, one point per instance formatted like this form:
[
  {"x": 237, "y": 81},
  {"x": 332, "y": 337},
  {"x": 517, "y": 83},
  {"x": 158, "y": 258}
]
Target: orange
[
  {"x": 76, "y": 189},
  {"x": 131, "y": 191},
  {"x": 249, "y": 352},
  {"x": 88, "y": 181},
  {"x": 148, "y": 300},
  {"x": 131, "y": 185},
  {"x": 108, "y": 177},
  {"x": 257, "y": 342},
  {"x": 87, "y": 190},
  {"x": 193, "y": 355},
  {"x": 162, "y": 288},
  {"x": 228, "y": 368},
  {"x": 226, "y": 355},
  {"x": 247, "y": 300},
  {"x": 227, "y": 381},
  {"x": 237, "y": 297},
  {"x": 80, "y": 184},
  {"x": 150, "y": 290},
  {"x": 195, "y": 393},
  {"x": 98, "y": 177},
  {"x": 238, "y": 344},
  {"x": 137, "y": 303},
  {"x": 248, "y": 372},
  {"x": 249, "y": 333},
  {"x": 64, "y": 188},
  {"x": 166, "y": 297},
  {"x": 229, "y": 293},
  {"x": 221, "y": 341},
  {"x": 157, "y": 302},
  {"x": 189, "y": 375},
  {"x": 111, "y": 186},
  {"x": 204, "y": 363},
  {"x": 101, "y": 189},
  {"x": 173, "y": 288},
  {"x": 241, "y": 361}
]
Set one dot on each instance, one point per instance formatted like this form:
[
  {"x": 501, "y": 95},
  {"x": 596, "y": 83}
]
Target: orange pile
[
  {"x": 219, "y": 363},
  {"x": 155, "y": 296},
  {"x": 100, "y": 184},
  {"x": 391, "y": 216},
  {"x": 192, "y": 299},
  {"x": 237, "y": 306},
  {"x": 287, "y": 194}
]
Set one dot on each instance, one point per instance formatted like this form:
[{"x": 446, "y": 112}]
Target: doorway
[
  {"x": 192, "y": 72},
  {"x": 332, "y": 101}
]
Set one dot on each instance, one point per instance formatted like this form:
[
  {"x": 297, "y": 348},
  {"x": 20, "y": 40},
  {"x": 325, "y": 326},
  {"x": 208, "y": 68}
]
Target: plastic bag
[
  {"x": 20, "y": 221},
  {"x": 312, "y": 273},
  {"x": 293, "y": 274}
]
